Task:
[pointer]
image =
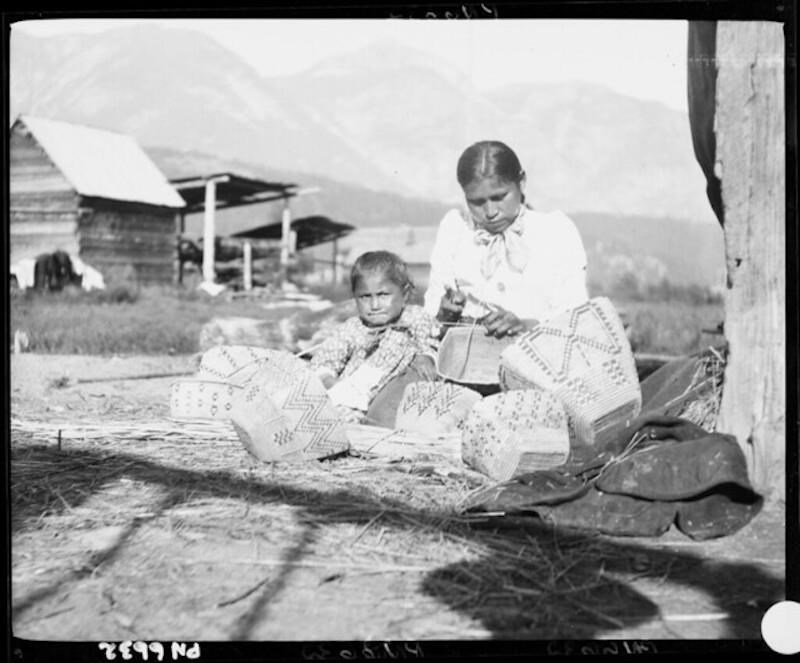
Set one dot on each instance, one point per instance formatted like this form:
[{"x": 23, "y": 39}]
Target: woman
[{"x": 501, "y": 262}]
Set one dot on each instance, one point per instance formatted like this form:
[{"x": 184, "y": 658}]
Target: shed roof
[
  {"x": 231, "y": 190},
  {"x": 311, "y": 230},
  {"x": 102, "y": 164}
]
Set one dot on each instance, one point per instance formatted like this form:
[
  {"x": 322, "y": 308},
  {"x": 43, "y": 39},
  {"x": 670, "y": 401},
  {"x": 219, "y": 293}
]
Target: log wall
[
  {"x": 43, "y": 207},
  {"x": 117, "y": 237}
]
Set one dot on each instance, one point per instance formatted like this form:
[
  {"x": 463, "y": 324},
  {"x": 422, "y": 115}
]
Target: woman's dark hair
[
  {"x": 488, "y": 158},
  {"x": 384, "y": 262}
]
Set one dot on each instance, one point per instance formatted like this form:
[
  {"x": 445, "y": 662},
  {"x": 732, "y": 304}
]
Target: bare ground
[{"x": 164, "y": 538}]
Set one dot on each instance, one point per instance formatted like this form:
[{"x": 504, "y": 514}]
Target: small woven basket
[
  {"x": 434, "y": 408},
  {"x": 515, "y": 432},
  {"x": 468, "y": 356},
  {"x": 583, "y": 357}
]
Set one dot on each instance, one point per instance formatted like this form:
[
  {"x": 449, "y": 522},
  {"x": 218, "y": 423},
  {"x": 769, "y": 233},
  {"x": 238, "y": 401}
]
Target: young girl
[{"x": 368, "y": 360}]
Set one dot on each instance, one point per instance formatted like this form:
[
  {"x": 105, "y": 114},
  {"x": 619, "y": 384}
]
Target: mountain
[
  {"x": 385, "y": 118},
  {"x": 178, "y": 89}
]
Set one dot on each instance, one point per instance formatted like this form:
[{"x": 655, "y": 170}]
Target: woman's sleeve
[
  {"x": 441, "y": 265},
  {"x": 331, "y": 357},
  {"x": 571, "y": 288}
]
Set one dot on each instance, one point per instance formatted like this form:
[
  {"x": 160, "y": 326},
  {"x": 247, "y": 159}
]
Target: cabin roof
[{"x": 102, "y": 164}]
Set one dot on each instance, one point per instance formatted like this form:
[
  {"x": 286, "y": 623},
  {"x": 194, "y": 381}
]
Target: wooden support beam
[
  {"x": 750, "y": 161},
  {"x": 209, "y": 231},
  {"x": 247, "y": 271}
]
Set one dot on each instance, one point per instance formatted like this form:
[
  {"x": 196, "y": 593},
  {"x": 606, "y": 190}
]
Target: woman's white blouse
[{"x": 553, "y": 280}]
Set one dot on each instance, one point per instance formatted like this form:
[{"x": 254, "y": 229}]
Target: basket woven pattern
[
  {"x": 584, "y": 358},
  {"x": 515, "y": 432},
  {"x": 467, "y": 355},
  {"x": 238, "y": 363},
  {"x": 280, "y": 412},
  {"x": 434, "y": 408}
]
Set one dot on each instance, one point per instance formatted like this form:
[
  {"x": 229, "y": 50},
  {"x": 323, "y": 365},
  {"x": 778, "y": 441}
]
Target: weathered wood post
[
  {"x": 334, "y": 263},
  {"x": 247, "y": 274},
  {"x": 286, "y": 230},
  {"x": 750, "y": 163},
  {"x": 209, "y": 231}
]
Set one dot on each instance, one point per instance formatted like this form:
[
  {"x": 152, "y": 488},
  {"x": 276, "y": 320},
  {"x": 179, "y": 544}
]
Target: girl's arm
[{"x": 331, "y": 357}]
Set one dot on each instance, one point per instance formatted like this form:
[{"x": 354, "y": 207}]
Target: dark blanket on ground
[{"x": 659, "y": 470}]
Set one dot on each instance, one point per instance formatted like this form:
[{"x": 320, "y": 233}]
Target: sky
[{"x": 640, "y": 58}]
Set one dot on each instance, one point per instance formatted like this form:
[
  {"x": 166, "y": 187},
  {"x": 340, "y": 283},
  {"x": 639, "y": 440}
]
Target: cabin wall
[
  {"x": 43, "y": 207},
  {"x": 125, "y": 240}
]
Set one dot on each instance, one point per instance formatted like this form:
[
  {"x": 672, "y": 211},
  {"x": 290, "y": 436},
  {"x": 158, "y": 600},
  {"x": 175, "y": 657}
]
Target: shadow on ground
[{"x": 534, "y": 582}]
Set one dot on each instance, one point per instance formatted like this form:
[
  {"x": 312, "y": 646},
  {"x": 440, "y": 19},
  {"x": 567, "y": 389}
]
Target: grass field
[{"x": 165, "y": 320}]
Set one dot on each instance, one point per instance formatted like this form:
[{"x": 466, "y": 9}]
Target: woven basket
[
  {"x": 515, "y": 432},
  {"x": 468, "y": 356},
  {"x": 282, "y": 412},
  {"x": 434, "y": 408},
  {"x": 238, "y": 363},
  {"x": 583, "y": 357}
]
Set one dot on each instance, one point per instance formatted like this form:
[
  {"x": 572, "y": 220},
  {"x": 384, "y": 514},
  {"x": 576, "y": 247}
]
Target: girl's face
[
  {"x": 379, "y": 301},
  {"x": 494, "y": 203}
]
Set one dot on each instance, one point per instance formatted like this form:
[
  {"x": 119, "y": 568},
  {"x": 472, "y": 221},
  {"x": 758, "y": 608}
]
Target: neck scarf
[{"x": 507, "y": 244}]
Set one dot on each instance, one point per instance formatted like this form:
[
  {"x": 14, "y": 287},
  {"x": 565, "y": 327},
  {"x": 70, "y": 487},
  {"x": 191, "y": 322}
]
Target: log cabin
[{"x": 94, "y": 194}]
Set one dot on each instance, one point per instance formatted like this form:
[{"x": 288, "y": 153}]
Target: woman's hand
[
  {"x": 452, "y": 305},
  {"x": 425, "y": 366},
  {"x": 500, "y": 323}
]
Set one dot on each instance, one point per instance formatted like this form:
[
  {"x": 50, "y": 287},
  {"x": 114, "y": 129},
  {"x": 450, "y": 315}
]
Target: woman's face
[
  {"x": 494, "y": 203},
  {"x": 379, "y": 301}
]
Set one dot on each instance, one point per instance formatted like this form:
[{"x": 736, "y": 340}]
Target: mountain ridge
[{"x": 383, "y": 125}]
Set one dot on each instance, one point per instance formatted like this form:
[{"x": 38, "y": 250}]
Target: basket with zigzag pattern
[
  {"x": 281, "y": 411},
  {"x": 584, "y": 358},
  {"x": 434, "y": 408}
]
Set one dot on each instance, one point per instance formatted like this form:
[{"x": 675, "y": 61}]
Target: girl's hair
[
  {"x": 488, "y": 158},
  {"x": 389, "y": 264}
]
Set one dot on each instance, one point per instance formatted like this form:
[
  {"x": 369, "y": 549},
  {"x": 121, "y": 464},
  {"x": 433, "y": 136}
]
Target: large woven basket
[
  {"x": 584, "y": 358},
  {"x": 434, "y": 408},
  {"x": 515, "y": 432},
  {"x": 468, "y": 356},
  {"x": 281, "y": 412}
]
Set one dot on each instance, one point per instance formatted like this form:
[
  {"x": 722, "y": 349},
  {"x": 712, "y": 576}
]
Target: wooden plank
[
  {"x": 751, "y": 157},
  {"x": 30, "y": 169},
  {"x": 119, "y": 258},
  {"x": 44, "y": 227}
]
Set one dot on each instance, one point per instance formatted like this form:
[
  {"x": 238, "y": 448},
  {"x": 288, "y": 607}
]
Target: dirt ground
[{"x": 163, "y": 538}]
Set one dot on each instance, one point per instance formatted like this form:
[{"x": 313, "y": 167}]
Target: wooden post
[
  {"x": 209, "y": 232},
  {"x": 248, "y": 265},
  {"x": 334, "y": 261},
  {"x": 286, "y": 229},
  {"x": 750, "y": 161},
  {"x": 180, "y": 223}
]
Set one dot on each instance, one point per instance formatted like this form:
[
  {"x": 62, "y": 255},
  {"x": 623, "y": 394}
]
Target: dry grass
[
  {"x": 707, "y": 384},
  {"x": 380, "y": 516}
]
